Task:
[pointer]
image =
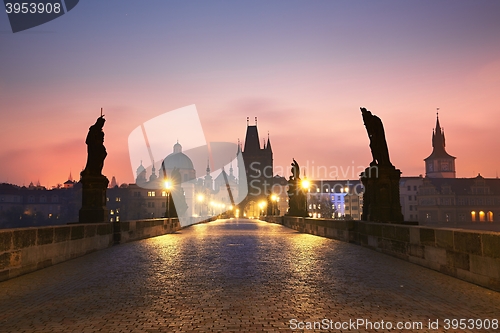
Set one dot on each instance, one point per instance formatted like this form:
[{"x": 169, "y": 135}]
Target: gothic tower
[
  {"x": 439, "y": 164},
  {"x": 258, "y": 162}
]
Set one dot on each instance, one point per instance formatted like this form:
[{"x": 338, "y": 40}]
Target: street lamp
[
  {"x": 201, "y": 197},
  {"x": 168, "y": 186},
  {"x": 274, "y": 198},
  {"x": 262, "y": 204},
  {"x": 305, "y": 185}
]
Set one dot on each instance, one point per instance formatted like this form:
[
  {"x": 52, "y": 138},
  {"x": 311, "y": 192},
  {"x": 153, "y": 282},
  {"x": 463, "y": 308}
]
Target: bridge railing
[
  {"x": 470, "y": 255},
  {"x": 24, "y": 250}
]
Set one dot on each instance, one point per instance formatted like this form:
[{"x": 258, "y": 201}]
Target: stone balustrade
[{"x": 469, "y": 255}]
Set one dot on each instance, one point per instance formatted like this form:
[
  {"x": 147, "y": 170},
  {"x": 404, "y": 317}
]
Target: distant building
[
  {"x": 257, "y": 171},
  {"x": 460, "y": 202},
  {"x": 344, "y": 196},
  {"x": 439, "y": 164},
  {"x": 36, "y": 205},
  {"x": 408, "y": 196}
]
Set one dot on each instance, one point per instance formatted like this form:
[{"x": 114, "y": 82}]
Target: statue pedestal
[
  {"x": 381, "y": 201},
  {"x": 297, "y": 201},
  {"x": 94, "y": 199}
]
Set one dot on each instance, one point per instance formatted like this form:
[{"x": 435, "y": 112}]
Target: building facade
[
  {"x": 408, "y": 196},
  {"x": 461, "y": 202}
]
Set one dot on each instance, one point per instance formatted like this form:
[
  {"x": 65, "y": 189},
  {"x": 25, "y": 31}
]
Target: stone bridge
[{"x": 242, "y": 275}]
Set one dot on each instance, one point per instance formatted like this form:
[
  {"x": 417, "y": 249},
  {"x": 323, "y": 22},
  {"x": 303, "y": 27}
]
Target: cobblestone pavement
[{"x": 236, "y": 276}]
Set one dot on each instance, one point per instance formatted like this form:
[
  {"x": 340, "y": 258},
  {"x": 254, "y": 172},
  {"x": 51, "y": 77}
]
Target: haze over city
[{"x": 302, "y": 68}]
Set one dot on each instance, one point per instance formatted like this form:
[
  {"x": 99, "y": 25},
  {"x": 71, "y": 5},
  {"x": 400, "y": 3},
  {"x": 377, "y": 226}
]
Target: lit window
[
  {"x": 481, "y": 216},
  {"x": 117, "y": 219},
  {"x": 117, "y": 211},
  {"x": 118, "y": 199},
  {"x": 490, "y": 216},
  {"x": 473, "y": 216},
  {"x": 151, "y": 193},
  {"x": 111, "y": 212},
  {"x": 317, "y": 190}
]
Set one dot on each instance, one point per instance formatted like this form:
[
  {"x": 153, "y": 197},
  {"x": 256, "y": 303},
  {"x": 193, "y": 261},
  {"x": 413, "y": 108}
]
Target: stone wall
[
  {"x": 469, "y": 255},
  {"x": 25, "y": 250}
]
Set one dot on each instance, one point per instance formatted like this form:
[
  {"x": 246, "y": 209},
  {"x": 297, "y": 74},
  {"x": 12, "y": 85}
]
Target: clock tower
[{"x": 439, "y": 164}]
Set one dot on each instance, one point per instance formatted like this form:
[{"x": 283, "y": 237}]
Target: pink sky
[{"x": 304, "y": 74}]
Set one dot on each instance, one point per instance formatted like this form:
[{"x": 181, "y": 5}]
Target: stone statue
[
  {"x": 297, "y": 203},
  {"x": 94, "y": 183},
  {"x": 378, "y": 144},
  {"x": 295, "y": 170},
  {"x": 380, "y": 180},
  {"x": 96, "y": 152}
]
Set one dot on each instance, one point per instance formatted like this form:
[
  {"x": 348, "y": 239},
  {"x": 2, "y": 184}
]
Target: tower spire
[
  {"x": 439, "y": 164},
  {"x": 268, "y": 145}
]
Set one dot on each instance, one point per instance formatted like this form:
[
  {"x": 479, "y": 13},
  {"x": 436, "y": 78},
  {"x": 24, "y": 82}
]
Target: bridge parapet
[
  {"x": 470, "y": 255},
  {"x": 25, "y": 250}
]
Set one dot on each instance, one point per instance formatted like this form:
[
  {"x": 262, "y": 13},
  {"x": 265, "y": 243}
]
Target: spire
[
  {"x": 70, "y": 178},
  {"x": 208, "y": 178},
  {"x": 268, "y": 146},
  {"x": 438, "y": 135},
  {"x": 239, "y": 148},
  {"x": 231, "y": 169},
  {"x": 439, "y": 164}
]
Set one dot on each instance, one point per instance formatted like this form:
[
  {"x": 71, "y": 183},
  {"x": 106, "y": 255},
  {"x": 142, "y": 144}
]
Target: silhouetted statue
[
  {"x": 94, "y": 183},
  {"x": 96, "y": 152},
  {"x": 380, "y": 180},
  {"x": 295, "y": 170},
  {"x": 296, "y": 196},
  {"x": 378, "y": 145}
]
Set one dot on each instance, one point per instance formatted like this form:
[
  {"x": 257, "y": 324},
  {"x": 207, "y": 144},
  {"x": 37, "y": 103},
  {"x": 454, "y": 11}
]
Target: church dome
[{"x": 177, "y": 159}]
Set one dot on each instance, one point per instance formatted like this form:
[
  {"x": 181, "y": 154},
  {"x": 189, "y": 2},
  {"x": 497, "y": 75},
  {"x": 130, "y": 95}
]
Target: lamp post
[
  {"x": 274, "y": 198},
  {"x": 262, "y": 204},
  {"x": 305, "y": 185},
  {"x": 168, "y": 186},
  {"x": 201, "y": 197}
]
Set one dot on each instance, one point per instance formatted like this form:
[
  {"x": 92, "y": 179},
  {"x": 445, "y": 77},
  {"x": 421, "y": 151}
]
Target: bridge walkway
[{"x": 237, "y": 276}]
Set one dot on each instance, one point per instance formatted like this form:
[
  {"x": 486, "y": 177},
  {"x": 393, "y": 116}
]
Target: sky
[{"x": 304, "y": 68}]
